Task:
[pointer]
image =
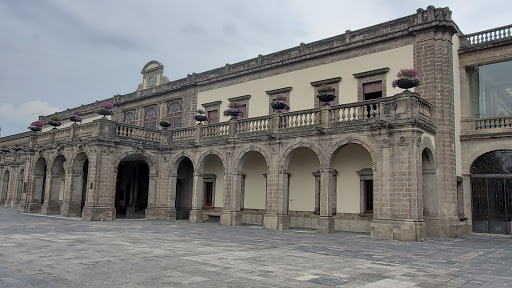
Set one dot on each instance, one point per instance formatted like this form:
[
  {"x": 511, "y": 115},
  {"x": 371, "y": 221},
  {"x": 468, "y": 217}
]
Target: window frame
[
  {"x": 280, "y": 92},
  {"x": 133, "y": 112},
  {"x": 173, "y": 116},
  {"x": 209, "y": 178},
  {"x": 371, "y": 76},
  {"x": 332, "y": 82},
  {"x": 150, "y": 120},
  {"x": 243, "y": 101},
  {"x": 366, "y": 175},
  {"x": 212, "y": 106}
]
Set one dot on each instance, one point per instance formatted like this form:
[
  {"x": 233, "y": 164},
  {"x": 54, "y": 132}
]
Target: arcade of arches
[{"x": 294, "y": 192}]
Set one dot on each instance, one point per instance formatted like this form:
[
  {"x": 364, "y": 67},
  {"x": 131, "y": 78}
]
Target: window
[
  {"x": 213, "y": 116},
  {"x": 281, "y": 92},
  {"x": 212, "y": 111},
  {"x": 244, "y": 105},
  {"x": 368, "y": 196},
  {"x": 366, "y": 188},
  {"x": 174, "y": 113},
  {"x": 129, "y": 117},
  {"x": 209, "y": 181},
  {"x": 208, "y": 194},
  {"x": 333, "y": 83},
  {"x": 371, "y": 84},
  {"x": 490, "y": 90},
  {"x": 372, "y": 90},
  {"x": 150, "y": 116}
]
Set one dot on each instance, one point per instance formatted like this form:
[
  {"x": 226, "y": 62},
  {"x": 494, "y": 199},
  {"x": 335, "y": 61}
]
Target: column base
[
  {"x": 50, "y": 208},
  {"x": 98, "y": 213},
  {"x": 230, "y": 218},
  {"x": 325, "y": 225},
  {"x": 196, "y": 216},
  {"x": 71, "y": 209},
  {"x": 161, "y": 213},
  {"x": 30, "y": 207},
  {"x": 444, "y": 227},
  {"x": 403, "y": 230},
  {"x": 276, "y": 222}
]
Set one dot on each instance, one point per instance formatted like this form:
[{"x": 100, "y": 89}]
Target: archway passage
[
  {"x": 132, "y": 187},
  {"x": 254, "y": 188},
  {"x": 213, "y": 187},
  {"x": 77, "y": 197},
  {"x": 52, "y": 201},
  {"x": 491, "y": 190},
  {"x": 5, "y": 187},
  {"x": 39, "y": 184},
  {"x": 184, "y": 186}
]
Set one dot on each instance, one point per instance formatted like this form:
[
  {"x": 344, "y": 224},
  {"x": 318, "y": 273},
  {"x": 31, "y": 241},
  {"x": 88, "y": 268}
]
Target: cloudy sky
[{"x": 58, "y": 54}]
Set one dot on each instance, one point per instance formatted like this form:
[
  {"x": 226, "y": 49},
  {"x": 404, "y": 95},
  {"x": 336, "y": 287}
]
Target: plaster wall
[
  {"x": 255, "y": 183},
  {"x": 302, "y": 96},
  {"x": 350, "y": 159},
  {"x": 302, "y": 182},
  {"x": 214, "y": 166}
]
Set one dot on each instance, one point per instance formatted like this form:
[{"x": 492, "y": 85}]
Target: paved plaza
[{"x": 43, "y": 251}]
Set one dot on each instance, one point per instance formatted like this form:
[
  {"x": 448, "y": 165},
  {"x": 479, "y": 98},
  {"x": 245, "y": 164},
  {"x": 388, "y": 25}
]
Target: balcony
[
  {"x": 486, "y": 39},
  {"x": 486, "y": 127},
  {"x": 402, "y": 109}
]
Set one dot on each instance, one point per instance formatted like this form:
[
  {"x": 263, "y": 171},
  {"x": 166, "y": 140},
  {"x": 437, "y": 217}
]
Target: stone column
[
  {"x": 196, "y": 214},
  {"x": 327, "y": 201},
  {"x": 433, "y": 55},
  {"x": 276, "y": 208},
  {"x": 73, "y": 194},
  {"x": 102, "y": 178}
]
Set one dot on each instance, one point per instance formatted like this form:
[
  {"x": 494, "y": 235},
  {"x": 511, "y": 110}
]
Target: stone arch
[
  {"x": 202, "y": 159},
  {"x": 335, "y": 147},
  {"x": 176, "y": 160},
  {"x": 57, "y": 173},
  {"x": 39, "y": 182},
  {"x": 488, "y": 147},
  {"x": 426, "y": 143},
  {"x": 75, "y": 200},
  {"x": 243, "y": 154},
  {"x": 150, "y": 160},
  {"x": 429, "y": 194},
  {"x": 288, "y": 152},
  {"x": 136, "y": 177}
]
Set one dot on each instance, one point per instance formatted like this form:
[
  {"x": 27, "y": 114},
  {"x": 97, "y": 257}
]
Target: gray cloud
[{"x": 66, "y": 53}]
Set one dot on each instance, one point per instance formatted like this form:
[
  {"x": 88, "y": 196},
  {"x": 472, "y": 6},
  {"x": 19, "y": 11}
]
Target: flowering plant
[
  {"x": 37, "y": 124},
  {"x": 107, "y": 105},
  {"x": 233, "y": 109},
  {"x": 56, "y": 118},
  {"x": 76, "y": 117},
  {"x": 406, "y": 74}
]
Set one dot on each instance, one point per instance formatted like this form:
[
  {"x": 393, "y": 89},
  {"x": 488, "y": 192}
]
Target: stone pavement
[{"x": 41, "y": 251}]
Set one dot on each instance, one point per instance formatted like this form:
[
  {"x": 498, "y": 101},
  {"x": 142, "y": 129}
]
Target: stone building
[{"x": 404, "y": 165}]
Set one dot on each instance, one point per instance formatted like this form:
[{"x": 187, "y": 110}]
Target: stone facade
[{"x": 309, "y": 168}]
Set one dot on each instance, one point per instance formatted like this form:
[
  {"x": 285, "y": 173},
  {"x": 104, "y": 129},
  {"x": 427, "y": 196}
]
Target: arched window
[
  {"x": 150, "y": 117},
  {"x": 174, "y": 112},
  {"x": 129, "y": 117}
]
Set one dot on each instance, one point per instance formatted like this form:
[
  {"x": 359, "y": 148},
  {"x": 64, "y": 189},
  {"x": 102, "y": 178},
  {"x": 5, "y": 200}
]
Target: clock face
[{"x": 151, "y": 80}]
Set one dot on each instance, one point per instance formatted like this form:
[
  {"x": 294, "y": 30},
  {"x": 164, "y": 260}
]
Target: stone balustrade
[
  {"x": 489, "y": 36},
  {"x": 403, "y": 106}
]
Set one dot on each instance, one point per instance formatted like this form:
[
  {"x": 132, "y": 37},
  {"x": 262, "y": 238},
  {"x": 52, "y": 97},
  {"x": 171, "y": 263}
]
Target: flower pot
[
  {"x": 233, "y": 114},
  {"x": 75, "y": 118},
  {"x": 104, "y": 112},
  {"x": 35, "y": 128},
  {"x": 407, "y": 83},
  {"x": 326, "y": 97},
  {"x": 55, "y": 124},
  {"x": 6, "y": 150},
  {"x": 200, "y": 118},
  {"x": 165, "y": 124},
  {"x": 278, "y": 105}
]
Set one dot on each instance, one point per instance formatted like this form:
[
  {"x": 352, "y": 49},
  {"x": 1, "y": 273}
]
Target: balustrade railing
[
  {"x": 300, "y": 118},
  {"x": 491, "y": 35},
  {"x": 355, "y": 111},
  {"x": 213, "y": 130},
  {"x": 257, "y": 124},
  {"x": 131, "y": 131},
  {"x": 493, "y": 123},
  {"x": 184, "y": 134},
  {"x": 404, "y": 106}
]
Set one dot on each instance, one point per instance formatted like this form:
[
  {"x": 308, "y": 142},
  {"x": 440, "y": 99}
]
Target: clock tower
[{"x": 152, "y": 75}]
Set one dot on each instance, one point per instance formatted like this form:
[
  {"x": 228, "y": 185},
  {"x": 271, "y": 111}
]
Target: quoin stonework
[{"x": 432, "y": 161}]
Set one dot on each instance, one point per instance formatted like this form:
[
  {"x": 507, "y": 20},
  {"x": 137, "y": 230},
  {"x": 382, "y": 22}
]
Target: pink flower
[
  {"x": 107, "y": 105},
  {"x": 37, "y": 124}
]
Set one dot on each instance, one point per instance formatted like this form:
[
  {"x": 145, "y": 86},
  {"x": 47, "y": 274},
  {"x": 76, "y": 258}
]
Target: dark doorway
[
  {"x": 184, "y": 189},
  {"x": 132, "y": 188},
  {"x": 491, "y": 190},
  {"x": 85, "y": 172}
]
